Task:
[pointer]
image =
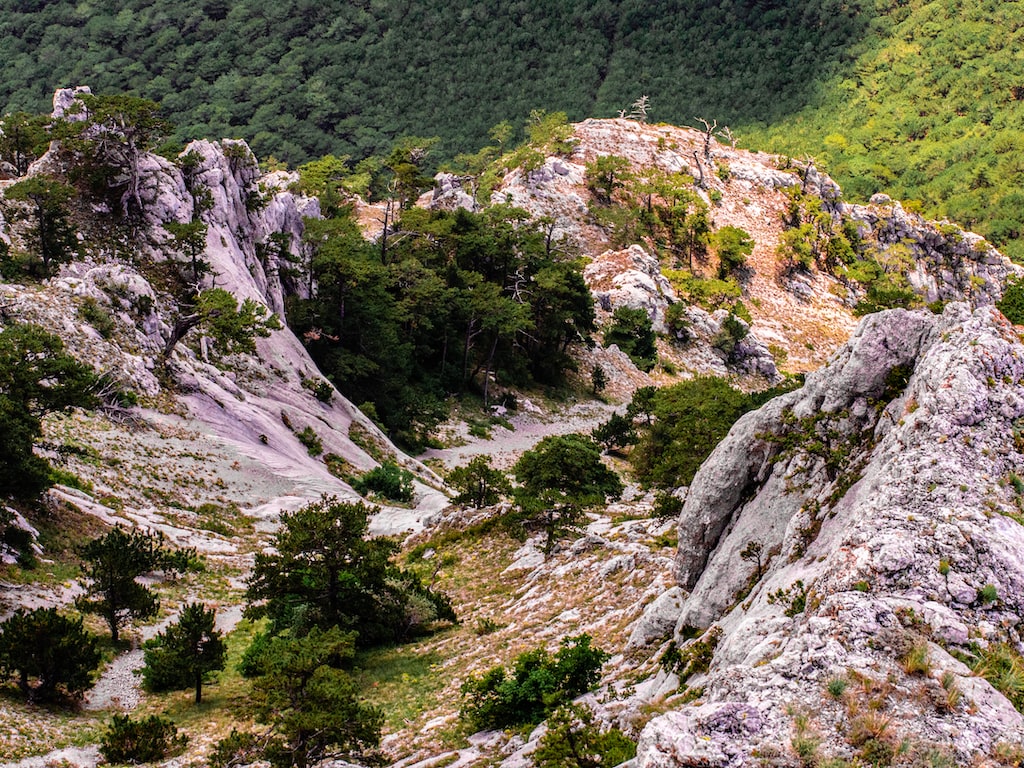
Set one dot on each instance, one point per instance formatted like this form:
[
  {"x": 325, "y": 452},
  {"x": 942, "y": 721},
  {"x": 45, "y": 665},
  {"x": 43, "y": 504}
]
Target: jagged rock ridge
[{"x": 879, "y": 495}]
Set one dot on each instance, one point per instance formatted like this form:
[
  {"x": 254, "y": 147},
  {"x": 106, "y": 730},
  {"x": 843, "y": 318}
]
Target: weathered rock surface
[
  {"x": 879, "y": 497},
  {"x": 252, "y": 408}
]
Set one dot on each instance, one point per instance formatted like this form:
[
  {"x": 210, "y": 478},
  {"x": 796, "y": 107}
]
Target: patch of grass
[
  {"x": 915, "y": 661},
  {"x": 408, "y": 681}
]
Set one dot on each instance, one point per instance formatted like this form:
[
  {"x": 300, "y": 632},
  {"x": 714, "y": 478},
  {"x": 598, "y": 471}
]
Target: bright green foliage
[
  {"x": 389, "y": 480},
  {"x": 605, "y": 175},
  {"x": 310, "y": 703},
  {"x": 147, "y": 740},
  {"x": 537, "y": 683},
  {"x": 732, "y": 245},
  {"x": 575, "y": 740},
  {"x": 52, "y": 650},
  {"x": 1012, "y": 303},
  {"x": 36, "y": 377},
  {"x": 685, "y": 422},
  {"x": 559, "y": 480},
  {"x": 479, "y": 484},
  {"x": 232, "y": 327},
  {"x": 632, "y": 331},
  {"x": 51, "y": 235},
  {"x": 185, "y": 653},
  {"x": 23, "y": 138},
  {"x": 930, "y": 110},
  {"x": 324, "y": 572},
  {"x": 112, "y": 564}
]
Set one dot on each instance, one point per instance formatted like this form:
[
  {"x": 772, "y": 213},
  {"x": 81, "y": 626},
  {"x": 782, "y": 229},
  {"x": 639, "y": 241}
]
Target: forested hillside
[
  {"x": 299, "y": 79},
  {"x": 918, "y": 99}
]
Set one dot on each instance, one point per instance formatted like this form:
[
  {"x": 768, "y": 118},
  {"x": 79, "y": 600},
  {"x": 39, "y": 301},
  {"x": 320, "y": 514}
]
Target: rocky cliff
[
  {"x": 849, "y": 549},
  {"x": 226, "y": 428}
]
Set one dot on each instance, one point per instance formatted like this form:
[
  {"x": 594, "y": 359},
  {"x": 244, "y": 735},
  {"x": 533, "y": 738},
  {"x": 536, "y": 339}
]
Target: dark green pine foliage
[
  {"x": 559, "y": 480},
  {"x": 184, "y": 654},
  {"x": 457, "y": 299},
  {"x": 310, "y": 703},
  {"x": 300, "y": 79},
  {"x": 324, "y": 572},
  {"x": 48, "y": 654},
  {"x": 112, "y": 564},
  {"x": 37, "y": 377}
]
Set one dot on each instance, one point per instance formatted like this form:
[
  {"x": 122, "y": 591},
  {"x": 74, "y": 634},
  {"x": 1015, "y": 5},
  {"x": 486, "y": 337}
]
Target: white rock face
[
  {"x": 254, "y": 407},
  {"x": 890, "y": 461}
]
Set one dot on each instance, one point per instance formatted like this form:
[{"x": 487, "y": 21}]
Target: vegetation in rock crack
[
  {"x": 324, "y": 572},
  {"x": 185, "y": 653},
  {"x": 49, "y": 654},
  {"x": 631, "y": 330},
  {"x": 537, "y": 683},
  {"x": 558, "y": 481}
]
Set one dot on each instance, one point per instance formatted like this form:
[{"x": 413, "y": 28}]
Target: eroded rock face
[{"x": 878, "y": 499}]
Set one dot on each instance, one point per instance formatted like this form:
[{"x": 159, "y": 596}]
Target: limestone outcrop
[
  {"x": 251, "y": 408},
  {"x": 844, "y": 527}
]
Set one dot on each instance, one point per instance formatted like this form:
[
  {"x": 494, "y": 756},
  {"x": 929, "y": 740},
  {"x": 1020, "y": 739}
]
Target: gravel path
[
  {"x": 506, "y": 446},
  {"x": 120, "y": 685}
]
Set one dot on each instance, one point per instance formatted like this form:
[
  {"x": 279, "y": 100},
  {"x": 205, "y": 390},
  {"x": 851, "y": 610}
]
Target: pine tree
[
  {"x": 183, "y": 654},
  {"x": 559, "y": 480},
  {"x": 112, "y": 564},
  {"x": 52, "y": 649}
]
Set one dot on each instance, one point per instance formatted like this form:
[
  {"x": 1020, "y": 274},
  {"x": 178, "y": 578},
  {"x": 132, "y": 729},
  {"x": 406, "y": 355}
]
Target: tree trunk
[
  {"x": 183, "y": 326},
  {"x": 199, "y": 687}
]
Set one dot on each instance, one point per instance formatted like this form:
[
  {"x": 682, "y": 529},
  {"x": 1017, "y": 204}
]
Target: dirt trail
[{"x": 531, "y": 426}]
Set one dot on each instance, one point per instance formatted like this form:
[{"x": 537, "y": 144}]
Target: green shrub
[
  {"x": 693, "y": 658},
  {"x": 99, "y": 318},
  {"x": 536, "y": 685},
  {"x": 1012, "y": 303},
  {"x": 575, "y": 740},
  {"x": 631, "y": 330},
  {"x": 793, "y": 599},
  {"x": 679, "y": 426},
  {"x": 48, "y": 653},
  {"x": 140, "y": 741},
  {"x": 309, "y": 438},
  {"x": 388, "y": 480}
]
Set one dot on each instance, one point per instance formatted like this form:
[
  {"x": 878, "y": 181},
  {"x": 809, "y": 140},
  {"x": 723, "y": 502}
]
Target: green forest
[{"x": 922, "y": 100}]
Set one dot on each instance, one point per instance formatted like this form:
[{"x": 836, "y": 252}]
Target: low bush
[
  {"x": 536, "y": 685},
  {"x": 388, "y": 480},
  {"x": 140, "y": 741}
]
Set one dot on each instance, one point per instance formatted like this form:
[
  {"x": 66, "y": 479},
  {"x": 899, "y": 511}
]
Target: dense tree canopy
[
  {"x": 301, "y": 79},
  {"x": 324, "y": 572},
  {"x": 457, "y": 300}
]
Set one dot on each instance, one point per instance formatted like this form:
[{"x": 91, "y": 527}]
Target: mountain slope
[{"x": 878, "y": 495}]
